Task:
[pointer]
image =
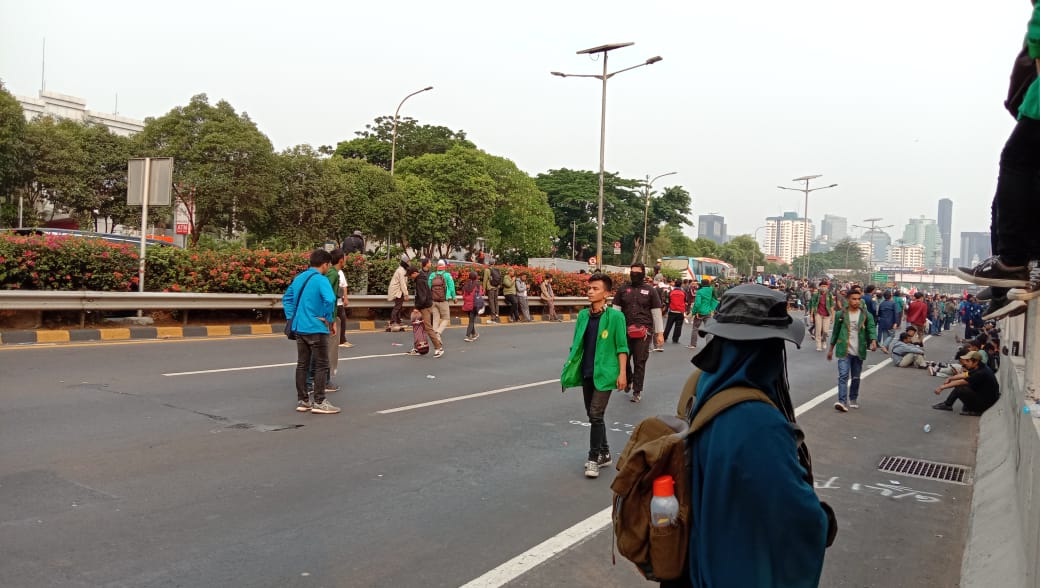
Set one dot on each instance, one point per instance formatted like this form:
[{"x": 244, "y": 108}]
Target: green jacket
[
  {"x": 1031, "y": 102},
  {"x": 840, "y": 333},
  {"x": 612, "y": 340},
  {"x": 814, "y": 302},
  {"x": 508, "y": 284},
  {"x": 705, "y": 304},
  {"x": 449, "y": 283}
]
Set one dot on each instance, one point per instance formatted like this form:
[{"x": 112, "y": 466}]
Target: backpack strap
[
  {"x": 723, "y": 400},
  {"x": 688, "y": 398}
]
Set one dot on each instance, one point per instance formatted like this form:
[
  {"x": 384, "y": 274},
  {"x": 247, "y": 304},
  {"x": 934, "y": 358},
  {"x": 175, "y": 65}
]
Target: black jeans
[
  {"x": 471, "y": 328},
  {"x": 972, "y": 401},
  {"x": 312, "y": 348},
  {"x": 341, "y": 313},
  {"x": 1016, "y": 205},
  {"x": 638, "y": 353},
  {"x": 395, "y": 314},
  {"x": 674, "y": 319},
  {"x": 595, "y": 407},
  {"x": 514, "y": 308}
]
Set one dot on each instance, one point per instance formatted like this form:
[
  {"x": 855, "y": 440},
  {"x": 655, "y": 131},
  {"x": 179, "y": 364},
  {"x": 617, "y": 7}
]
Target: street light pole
[
  {"x": 753, "y": 256},
  {"x": 604, "y": 49},
  {"x": 393, "y": 140},
  {"x": 871, "y": 230},
  {"x": 805, "y": 221},
  {"x": 646, "y": 208}
]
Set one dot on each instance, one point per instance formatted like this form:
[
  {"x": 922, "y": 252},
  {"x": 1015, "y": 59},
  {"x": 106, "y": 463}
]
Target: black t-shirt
[
  {"x": 588, "y": 355},
  {"x": 984, "y": 383},
  {"x": 637, "y": 302}
]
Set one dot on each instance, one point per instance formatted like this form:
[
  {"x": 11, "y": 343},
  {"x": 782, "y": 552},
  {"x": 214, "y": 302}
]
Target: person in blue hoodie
[{"x": 756, "y": 519}]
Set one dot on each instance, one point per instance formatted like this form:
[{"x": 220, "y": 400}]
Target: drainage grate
[{"x": 930, "y": 470}]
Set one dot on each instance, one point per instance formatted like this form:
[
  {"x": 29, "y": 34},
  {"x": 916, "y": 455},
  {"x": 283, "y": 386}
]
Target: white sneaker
[
  {"x": 591, "y": 469},
  {"x": 438, "y": 352},
  {"x": 853, "y": 405},
  {"x": 840, "y": 407},
  {"x": 324, "y": 408},
  {"x": 1022, "y": 294}
]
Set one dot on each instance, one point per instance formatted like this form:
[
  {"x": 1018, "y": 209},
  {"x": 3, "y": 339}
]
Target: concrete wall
[{"x": 1004, "y": 534}]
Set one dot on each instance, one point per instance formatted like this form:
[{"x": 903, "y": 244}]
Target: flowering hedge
[{"x": 53, "y": 262}]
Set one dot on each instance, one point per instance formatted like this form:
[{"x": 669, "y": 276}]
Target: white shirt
[
  {"x": 343, "y": 286},
  {"x": 853, "y": 320}
]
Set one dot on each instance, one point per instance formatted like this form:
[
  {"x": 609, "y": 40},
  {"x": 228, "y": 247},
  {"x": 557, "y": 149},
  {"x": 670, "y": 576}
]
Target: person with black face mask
[{"x": 641, "y": 305}]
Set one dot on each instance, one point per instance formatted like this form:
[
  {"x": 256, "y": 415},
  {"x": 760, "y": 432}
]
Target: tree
[
  {"x": 845, "y": 255},
  {"x": 224, "y": 167},
  {"x": 742, "y": 251},
  {"x": 57, "y": 165},
  {"x": 13, "y": 148},
  {"x": 413, "y": 140}
]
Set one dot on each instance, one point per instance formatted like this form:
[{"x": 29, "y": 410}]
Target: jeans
[
  {"x": 947, "y": 322},
  {"x": 884, "y": 337},
  {"x": 695, "y": 325},
  {"x": 395, "y": 314},
  {"x": 638, "y": 353},
  {"x": 674, "y": 319},
  {"x": 312, "y": 347},
  {"x": 849, "y": 366},
  {"x": 471, "y": 328},
  {"x": 341, "y": 313},
  {"x": 595, "y": 407},
  {"x": 525, "y": 309},
  {"x": 514, "y": 308},
  {"x": 1015, "y": 205},
  {"x": 549, "y": 307},
  {"x": 333, "y": 365},
  {"x": 492, "y": 299},
  {"x": 971, "y": 400}
]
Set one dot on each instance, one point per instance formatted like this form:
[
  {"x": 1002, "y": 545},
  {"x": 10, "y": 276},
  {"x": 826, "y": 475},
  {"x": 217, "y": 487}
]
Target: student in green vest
[
  {"x": 822, "y": 306},
  {"x": 854, "y": 333}
]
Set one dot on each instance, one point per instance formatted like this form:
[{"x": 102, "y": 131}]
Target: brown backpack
[{"x": 659, "y": 447}]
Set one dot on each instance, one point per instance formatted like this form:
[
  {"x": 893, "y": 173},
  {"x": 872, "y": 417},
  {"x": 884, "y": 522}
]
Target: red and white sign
[
  {"x": 592, "y": 261},
  {"x": 182, "y": 228},
  {"x": 617, "y": 247}
]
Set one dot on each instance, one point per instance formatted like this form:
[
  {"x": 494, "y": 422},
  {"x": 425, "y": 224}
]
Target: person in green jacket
[
  {"x": 821, "y": 307},
  {"x": 704, "y": 304},
  {"x": 854, "y": 332},
  {"x": 598, "y": 352},
  {"x": 509, "y": 291},
  {"x": 1014, "y": 239}
]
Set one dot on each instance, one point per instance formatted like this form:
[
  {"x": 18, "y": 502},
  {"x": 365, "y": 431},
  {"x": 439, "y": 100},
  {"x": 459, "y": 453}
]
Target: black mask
[{"x": 637, "y": 278}]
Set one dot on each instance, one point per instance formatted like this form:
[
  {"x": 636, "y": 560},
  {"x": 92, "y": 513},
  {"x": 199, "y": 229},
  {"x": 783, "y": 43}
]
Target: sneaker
[
  {"x": 993, "y": 272},
  {"x": 468, "y": 339},
  {"x": 604, "y": 460},
  {"x": 931, "y": 370},
  {"x": 325, "y": 407},
  {"x": 691, "y": 347},
  {"x": 1022, "y": 294},
  {"x": 331, "y": 389},
  {"x": 591, "y": 469},
  {"x": 853, "y": 404},
  {"x": 346, "y": 344},
  {"x": 414, "y": 351},
  {"x": 438, "y": 352},
  {"x": 303, "y": 406},
  {"x": 475, "y": 337},
  {"x": 942, "y": 406},
  {"x": 883, "y": 349},
  {"x": 840, "y": 407},
  {"x": 995, "y": 304},
  {"x": 1012, "y": 308},
  {"x": 985, "y": 294},
  {"x": 659, "y": 349},
  {"x": 636, "y": 396}
]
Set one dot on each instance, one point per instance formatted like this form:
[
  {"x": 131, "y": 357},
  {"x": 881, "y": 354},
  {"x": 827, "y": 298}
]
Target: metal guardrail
[{"x": 90, "y": 301}]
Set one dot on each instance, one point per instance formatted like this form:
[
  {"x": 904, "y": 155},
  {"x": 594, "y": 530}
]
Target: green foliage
[
  {"x": 845, "y": 255},
  {"x": 13, "y": 152},
  {"x": 413, "y": 140},
  {"x": 66, "y": 263}
]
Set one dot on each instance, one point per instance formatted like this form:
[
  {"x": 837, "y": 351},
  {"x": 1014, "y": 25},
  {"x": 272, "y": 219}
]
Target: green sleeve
[
  {"x": 620, "y": 333},
  {"x": 1033, "y": 33}
]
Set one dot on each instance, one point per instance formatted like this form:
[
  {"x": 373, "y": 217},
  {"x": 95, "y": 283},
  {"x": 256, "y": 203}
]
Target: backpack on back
[
  {"x": 439, "y": 287},
  {"x": 496, "y": 277},
  {"x": 661, "y": 446}
]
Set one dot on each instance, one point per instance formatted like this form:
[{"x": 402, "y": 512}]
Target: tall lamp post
[
  {"x": 646, "y": 208},
  {"x": 604, "y": 49},
  {"x": 751, "y": 271},
  {"x": 393, "y": 140},
  {"x": 805, "y": 221},
  {"x": 871, "y": 230}
]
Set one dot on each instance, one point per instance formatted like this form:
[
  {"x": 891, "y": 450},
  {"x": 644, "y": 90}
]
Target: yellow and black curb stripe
[{"x": 52, "y": 336}]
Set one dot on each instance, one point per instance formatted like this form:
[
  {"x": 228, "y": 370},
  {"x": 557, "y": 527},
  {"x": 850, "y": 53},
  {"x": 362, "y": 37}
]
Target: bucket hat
[{"x": 751, "y": 312}]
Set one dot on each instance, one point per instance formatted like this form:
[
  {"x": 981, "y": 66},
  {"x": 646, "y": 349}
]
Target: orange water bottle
[{"x": 664, "y": 508}]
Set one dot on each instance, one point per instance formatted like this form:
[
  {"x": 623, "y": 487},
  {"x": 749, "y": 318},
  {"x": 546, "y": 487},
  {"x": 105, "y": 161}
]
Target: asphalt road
[{"x": 183, "y": 463}]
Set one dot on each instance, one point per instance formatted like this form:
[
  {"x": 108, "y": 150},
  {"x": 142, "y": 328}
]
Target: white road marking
[
  {"x": 274, "y": 365},
  {"x": 467, "y": 397},
  {"x": 545, "y": 550}
]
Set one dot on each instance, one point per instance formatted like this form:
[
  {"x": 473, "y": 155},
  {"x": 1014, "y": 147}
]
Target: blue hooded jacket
[{"x": 757, "y": 522}]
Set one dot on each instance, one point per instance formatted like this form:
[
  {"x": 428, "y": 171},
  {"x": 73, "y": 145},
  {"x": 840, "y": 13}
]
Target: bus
[{"x": 699, "y": 268}]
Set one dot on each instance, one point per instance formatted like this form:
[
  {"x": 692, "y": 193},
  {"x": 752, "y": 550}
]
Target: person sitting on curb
[
  {"x": 906, "y": 354},
  {"x": 976, "y": 387}
]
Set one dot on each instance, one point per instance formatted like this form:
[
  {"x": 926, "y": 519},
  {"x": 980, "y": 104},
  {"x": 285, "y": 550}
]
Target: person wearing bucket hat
[{"x": 750, "y": 476}]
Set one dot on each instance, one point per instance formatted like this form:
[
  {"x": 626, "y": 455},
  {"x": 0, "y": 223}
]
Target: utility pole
[
  {"x": 871, "y": 230},
  {"x": 805, "y": 221}
]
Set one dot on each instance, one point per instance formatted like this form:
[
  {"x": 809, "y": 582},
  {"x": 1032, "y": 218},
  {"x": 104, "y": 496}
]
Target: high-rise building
[
  {"x": 711, "y": 226},
  {"x": 834, "y": 228},
  {"x": 925, "y": 232},
  {"x": 787, "y": 236},
  {"x": 975, "y": 247},
  {"x": 945, "y": 226},
  {"x": 906, "y": 256}
]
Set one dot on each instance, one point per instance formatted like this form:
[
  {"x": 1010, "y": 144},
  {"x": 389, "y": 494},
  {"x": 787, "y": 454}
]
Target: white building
[
  {"x": 925, "y": 232},
  {"x": 907, "y": 256},
  {"x": 866, "y": 249},
  {"x": 73, "y": 108},
  {"x": 787, "y": 237}
]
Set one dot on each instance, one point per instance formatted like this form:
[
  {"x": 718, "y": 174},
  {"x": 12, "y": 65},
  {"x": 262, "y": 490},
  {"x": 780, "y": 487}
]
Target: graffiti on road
[{"x": 894, "y": 489}]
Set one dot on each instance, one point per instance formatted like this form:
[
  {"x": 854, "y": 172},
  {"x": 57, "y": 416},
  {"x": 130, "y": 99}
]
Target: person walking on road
[
  {"x": 548, "y": 297},
  {"x": 704, "y": 304},
  {"x": 642, "y": 308},
  {"x": 854, "y": 333},
  {"x": 492, "y": 281},
  {"x": 442, "y": 289},
  {"x": 424, "y": 304},
  {"x": 887, "y": 321},
  {"x": 470, "y": 295},
  {"x": 309, "y": 306},
  {"x": 598, "y": 350},
  {"x": 755, "y": 518},
  {"x": 822, "y": 306},
  {"x": 397, "y": 292},
  {"x": 676, "y": 311}
]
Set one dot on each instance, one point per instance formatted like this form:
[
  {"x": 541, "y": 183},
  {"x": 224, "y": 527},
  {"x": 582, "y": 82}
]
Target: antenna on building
[
  {"x": 43, "y": 67},
  {"x": 116, "y": 110}
]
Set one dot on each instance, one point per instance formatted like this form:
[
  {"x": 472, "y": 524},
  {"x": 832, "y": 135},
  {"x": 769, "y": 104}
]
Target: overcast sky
[{"x": 899, "y": 102}]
